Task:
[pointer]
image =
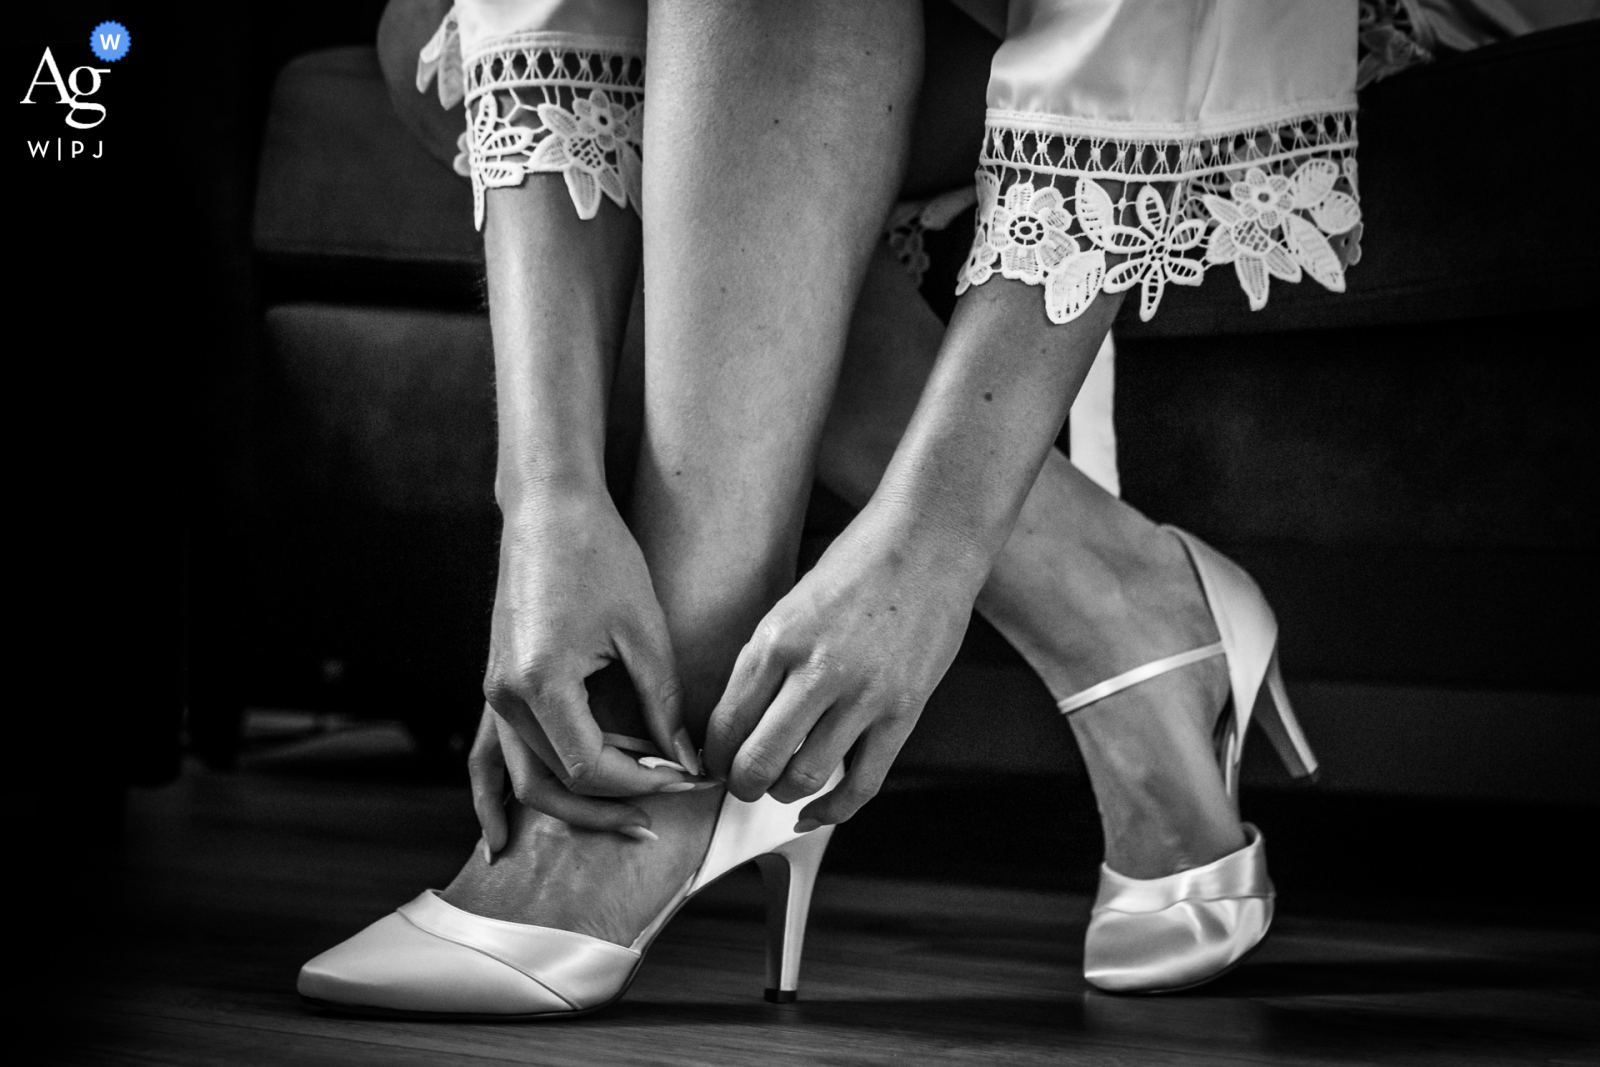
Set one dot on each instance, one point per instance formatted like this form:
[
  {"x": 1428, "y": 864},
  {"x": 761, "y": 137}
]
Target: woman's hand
[
  {"x": 498, "y": 753},
  {"x": 850, "y": 655},
  {"x": 573, "y": 595}
]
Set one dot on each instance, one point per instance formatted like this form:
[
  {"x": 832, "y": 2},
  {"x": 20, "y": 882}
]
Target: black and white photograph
[{"x": 805, "y": 533}]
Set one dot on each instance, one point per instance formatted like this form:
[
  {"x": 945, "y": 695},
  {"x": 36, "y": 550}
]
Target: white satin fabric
[
  {"x": 1136, "y": 144},
  {"x": 1200, "y": 64},
  {"x": 583, "y": 23},
  {"x": 432, "y": 958},
  {"x": 1172, "y": 68},
  {"x": 1091, "y": 428},
  {"x": 1165, "y": 934}
]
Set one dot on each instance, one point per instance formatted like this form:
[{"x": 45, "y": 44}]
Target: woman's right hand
[{"x": 573, "y": 595}]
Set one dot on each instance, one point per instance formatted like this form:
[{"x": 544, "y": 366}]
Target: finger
[
  {"x": 487, "y": 769},
  {"x": 520, "y": 765},
  {"x": 653, "y": 668},
  {"x": 822, "y": 752},
  {"x": 559, "y": 706},
  {"x": 616, "y": 773},
  {"x": 619, "y": 774},
  {"x": 874, "y": 756},
  {"x": 757, "y": 675},
  {"x": 602, "y": 770},
  {"x": 537, "y": 787},
  {"x": 766, "y": 753}
]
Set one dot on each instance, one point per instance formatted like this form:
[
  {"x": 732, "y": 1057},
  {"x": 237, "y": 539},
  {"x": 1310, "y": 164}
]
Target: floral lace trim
[
  {"x": 535, "y": 107},
  {"x": 1018, "y": 141},
  {"x": 1391, "y": 38},
  {"x": 1275, "y": 202},
  {"x": 441, "y": 57},
  {"x": 911, "y": 219}
]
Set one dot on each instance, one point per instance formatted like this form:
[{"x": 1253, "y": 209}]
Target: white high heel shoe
[
  {"x": 430, "y": 958},
  {"x": 1161, "y": 935}
]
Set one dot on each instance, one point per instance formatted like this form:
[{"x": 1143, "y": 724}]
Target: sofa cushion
[
  {"x": 378, "y": 411},
  {"x": 347, "y": 196}
]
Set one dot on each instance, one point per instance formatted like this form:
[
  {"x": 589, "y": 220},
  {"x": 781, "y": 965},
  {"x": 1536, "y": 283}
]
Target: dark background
[
  {"x": 95, "y": 385},
  {"x": 136, "y": 325}
]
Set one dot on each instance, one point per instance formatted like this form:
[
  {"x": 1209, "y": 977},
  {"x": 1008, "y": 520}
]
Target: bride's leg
[
  {"x": 774, "y": 142},
  {"x": 557, "y": 336},
  {"x": 1086, "y": 588}
]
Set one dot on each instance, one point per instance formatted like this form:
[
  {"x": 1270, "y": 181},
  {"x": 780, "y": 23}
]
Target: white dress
[
  {"x": 1130, "y": 144},
  {"x": 1136, "y": 143}
]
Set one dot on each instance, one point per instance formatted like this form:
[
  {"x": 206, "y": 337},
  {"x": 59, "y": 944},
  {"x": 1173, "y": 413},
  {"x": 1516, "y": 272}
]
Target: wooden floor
[{"x": 229, "y": 882}]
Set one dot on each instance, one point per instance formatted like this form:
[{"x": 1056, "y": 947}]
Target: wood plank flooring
[{"x": 229, "y": 882}]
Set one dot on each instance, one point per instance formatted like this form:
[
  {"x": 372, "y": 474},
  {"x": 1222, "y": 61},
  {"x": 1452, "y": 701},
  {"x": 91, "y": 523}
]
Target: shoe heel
[
  {"x": 789, "y": 873},
  {"x": 1276, "y": 716}
]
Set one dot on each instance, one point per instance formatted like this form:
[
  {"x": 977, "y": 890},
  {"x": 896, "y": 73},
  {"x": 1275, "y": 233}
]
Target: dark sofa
[{"x": 1408, "y": 469}]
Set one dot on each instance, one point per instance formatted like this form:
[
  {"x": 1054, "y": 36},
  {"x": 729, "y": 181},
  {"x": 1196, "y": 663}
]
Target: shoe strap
[{"x": 1137, "y": 675}]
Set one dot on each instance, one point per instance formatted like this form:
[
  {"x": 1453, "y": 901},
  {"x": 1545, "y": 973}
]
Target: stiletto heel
[
  {"x": 1278, "y": 722},
  {"x": 789, "y": 873},
  {"x": 1160, "y": 935},
  {"x": 431, "y": 959}
]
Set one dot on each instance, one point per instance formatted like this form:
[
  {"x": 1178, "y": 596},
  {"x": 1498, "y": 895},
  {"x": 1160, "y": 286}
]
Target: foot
[
  {"x": 601, "y": 884},
  {"x": 1086, "y": 589},
  {"x": 1150, "y": 749},
  {"x": 1150, "y": 758}
]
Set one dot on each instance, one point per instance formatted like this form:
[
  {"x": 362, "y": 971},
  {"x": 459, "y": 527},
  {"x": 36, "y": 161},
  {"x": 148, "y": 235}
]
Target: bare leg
[
  {"x": 557, "y": 340},
  {"x": 787, "y": 126},
  {"x": 1086, "y": 587},
  {"x": 751, "y": 276}
]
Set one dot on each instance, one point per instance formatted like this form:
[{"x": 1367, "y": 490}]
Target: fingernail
[
  {"x": 678, "y": 787},
  {"x": 638, "y": 833},
  {"x": 805, "y": 826},
  {"x": 650, "y": 763},
  {"x": 686, "y": 754},
  {"x": 488, "y": 854}
]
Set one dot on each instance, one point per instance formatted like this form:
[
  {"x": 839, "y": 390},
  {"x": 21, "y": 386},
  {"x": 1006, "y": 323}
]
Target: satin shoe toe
[
  {"x": 393, "y": 965},
  {"x": 1160, "y": 935}
]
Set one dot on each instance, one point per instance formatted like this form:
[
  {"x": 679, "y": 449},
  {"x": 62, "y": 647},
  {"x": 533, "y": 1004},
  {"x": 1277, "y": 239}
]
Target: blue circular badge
[{"x": 109, "y": 41}]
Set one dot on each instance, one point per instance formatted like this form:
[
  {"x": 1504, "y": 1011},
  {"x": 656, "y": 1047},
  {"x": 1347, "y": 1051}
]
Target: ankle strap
[{"x": 1137, "y": 675}]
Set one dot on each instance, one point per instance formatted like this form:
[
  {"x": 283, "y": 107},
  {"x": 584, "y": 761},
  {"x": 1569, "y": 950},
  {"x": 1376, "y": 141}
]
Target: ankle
[
  {"x": 601, "y": 884},
  {"x": 1155, "y": 776},
  {"x": 1154, "y": 845},
  {"x": 1121, "y": 595}
]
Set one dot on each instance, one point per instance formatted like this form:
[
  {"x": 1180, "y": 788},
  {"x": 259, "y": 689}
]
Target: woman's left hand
[{"x": 847, "y": 658}]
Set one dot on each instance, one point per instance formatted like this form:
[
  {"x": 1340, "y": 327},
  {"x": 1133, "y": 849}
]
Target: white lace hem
[
  {"x": 441, "y": 57},
  {"x": 1277, "y": 200},
  {"x": 544, "y": 103},
  {"x": 910, "y": 221}
]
